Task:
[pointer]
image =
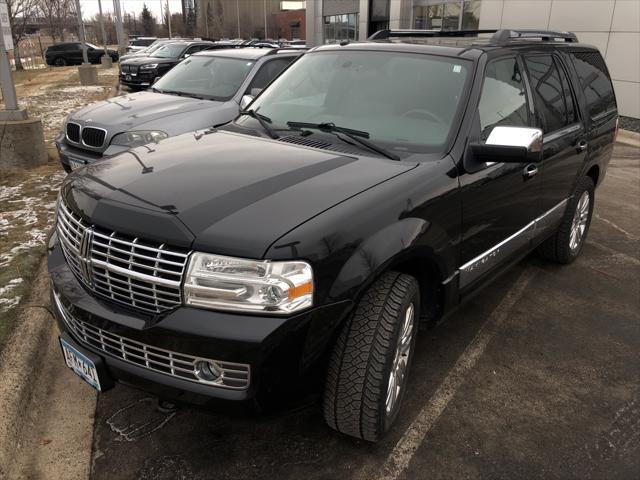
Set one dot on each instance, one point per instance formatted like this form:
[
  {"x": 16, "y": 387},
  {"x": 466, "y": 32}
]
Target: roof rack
[
  {"x": 499, "y": 37},
  {"x": 399, "y": 33},
  {"x": 502, "y": 37}
]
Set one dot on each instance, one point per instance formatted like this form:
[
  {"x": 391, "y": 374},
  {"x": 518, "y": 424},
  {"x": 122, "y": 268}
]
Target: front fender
[{"x": 375, "y": 253}]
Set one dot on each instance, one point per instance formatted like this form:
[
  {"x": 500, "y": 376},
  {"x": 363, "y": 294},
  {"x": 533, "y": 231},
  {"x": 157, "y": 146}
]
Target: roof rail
[
  {"x": 499, "y": 37},
  {"x": 399, "y": 33},
  {"x": 502, "y": 37}
]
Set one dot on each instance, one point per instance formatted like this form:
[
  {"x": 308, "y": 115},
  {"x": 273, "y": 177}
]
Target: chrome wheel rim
[
  {"x": 579, "y": 223},
  {"x": 400, "y": 360}
]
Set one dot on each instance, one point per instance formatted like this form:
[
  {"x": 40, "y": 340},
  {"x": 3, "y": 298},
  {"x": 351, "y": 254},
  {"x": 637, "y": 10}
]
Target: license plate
[
  {"x": 128, "y": 78},
  {"x": 80, "y": 364},
  {"x": 75, "y": 164}
]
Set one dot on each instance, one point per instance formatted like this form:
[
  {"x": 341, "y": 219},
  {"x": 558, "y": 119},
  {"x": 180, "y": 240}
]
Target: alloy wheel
[
  {"x": 400, "y": 360},
  {"x": 580, "y": 220}
]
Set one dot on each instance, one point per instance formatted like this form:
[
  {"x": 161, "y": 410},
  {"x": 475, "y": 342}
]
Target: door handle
[
  {"x": 582, "y": 145},
  {"x": 530, "y": 171}
]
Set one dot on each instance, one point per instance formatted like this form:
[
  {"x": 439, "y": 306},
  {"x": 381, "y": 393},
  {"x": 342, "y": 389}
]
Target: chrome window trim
[
  {"x": 483, "y": 263},
  {"x": 604, "y": 114},
  {"x": 550, "y": 137}
]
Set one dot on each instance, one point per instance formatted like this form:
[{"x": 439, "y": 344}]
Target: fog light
[{"x": 207, "y": 371}]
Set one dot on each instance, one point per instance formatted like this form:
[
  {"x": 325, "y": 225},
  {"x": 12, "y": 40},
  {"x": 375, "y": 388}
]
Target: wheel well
[
  {"x": 594, "y": 174},
  {"x": 426, "y": 272}
]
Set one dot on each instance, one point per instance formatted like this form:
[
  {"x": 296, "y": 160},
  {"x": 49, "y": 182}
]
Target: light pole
[
  {"x": 88, "y": 74},
  {"x": 238, "y": 16},
  {"x": 106, "y": 59},
  {"x": 169, "y": 18},
  {"x": 264, "y": 3}
]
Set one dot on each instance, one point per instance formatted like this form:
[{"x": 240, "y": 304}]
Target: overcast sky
[{"x": 90, "y": 7}]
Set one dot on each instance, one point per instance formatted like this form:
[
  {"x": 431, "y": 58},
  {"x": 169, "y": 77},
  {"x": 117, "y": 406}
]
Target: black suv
[
  {"x": 140, "y": 72},
  {"x": 71, "y": 54},
  {"x": 370, "y": 187}
]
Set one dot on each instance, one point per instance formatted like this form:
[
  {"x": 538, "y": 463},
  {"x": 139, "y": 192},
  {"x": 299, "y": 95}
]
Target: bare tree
[
  {"x": 57, "y": 13},
  {"x": 20, "y": 13}
]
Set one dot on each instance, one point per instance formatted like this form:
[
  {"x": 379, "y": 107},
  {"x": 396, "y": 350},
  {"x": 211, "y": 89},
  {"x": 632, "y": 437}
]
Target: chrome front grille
[
  {"x": 93, "y": 137},
  {"x": 235, "y": 376},
  {"x": 73, "y": 132},
  {"x": 129, "y": 270}
]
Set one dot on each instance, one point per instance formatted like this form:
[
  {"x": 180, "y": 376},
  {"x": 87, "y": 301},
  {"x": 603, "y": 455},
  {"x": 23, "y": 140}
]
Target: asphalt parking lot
[{"x": 537, "y": 377}]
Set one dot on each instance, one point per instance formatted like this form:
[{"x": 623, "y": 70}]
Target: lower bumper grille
[{"x": 234, "y": 376}]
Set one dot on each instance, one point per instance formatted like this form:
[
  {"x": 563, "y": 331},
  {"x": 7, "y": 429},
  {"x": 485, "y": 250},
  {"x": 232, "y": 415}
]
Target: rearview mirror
[
  {"x": 510, "y": 145},
  {"x": 245, "y": 101}
]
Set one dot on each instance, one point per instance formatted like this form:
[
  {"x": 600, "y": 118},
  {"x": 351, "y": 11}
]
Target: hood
[
  {"x": 118, "y": 114},
  {"x": 220, "y": 192},
  {"x": 145, "y": 60}
]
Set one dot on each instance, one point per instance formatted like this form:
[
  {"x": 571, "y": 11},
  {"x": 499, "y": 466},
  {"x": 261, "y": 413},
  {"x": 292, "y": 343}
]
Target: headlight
[
  {"x": 149, "y": 66},
  {"x": 135, "y": 138},
  {"x": 226, "y": 283}
]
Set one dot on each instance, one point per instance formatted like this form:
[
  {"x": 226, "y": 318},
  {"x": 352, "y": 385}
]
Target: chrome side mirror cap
[
  {"x": 245, "y": 101},
  {"x": 529, "y": 138},
  {"x": 510, "y": 145}
]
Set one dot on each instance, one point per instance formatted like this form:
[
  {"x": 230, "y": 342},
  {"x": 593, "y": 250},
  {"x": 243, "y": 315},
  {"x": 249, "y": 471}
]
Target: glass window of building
[
  {"x": 446, "y": 15},
  {"x": 340, "y": 27}
]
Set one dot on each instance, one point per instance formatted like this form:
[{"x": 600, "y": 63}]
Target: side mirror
[
  {"x": 155, "y": 80},
  {"x": 186, "y": 55},
  {"x": 255, "y": 92},
  {"x": 245, "y": 101},
  {"x": 510, "y": 145}
]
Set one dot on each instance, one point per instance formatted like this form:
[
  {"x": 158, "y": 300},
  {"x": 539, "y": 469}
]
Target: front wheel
[
  {"x": 369, "y": 365},
  {"x": 566, "y": 244}
]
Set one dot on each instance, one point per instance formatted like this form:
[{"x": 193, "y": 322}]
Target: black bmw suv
[
  {"x": 370, "y": 187},
  {"x": 140, "y": 72}
]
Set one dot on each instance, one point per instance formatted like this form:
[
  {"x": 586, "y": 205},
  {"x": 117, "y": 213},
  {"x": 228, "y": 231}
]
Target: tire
[
  {"x": 566, "y": 244},
  {"x": 60, "y": 62},
  {"x": 356, "y": 400}
]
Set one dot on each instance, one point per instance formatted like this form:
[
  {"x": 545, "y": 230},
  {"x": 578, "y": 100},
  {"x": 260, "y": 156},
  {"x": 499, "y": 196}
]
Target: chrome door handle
[
  {"x": 530, "y": 171},
  {"x": 582, "y": 145}
]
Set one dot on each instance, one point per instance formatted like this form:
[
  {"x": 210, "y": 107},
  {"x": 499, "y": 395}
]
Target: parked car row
[
  {"x": 296, "y": 249},
  {"x": 70, "y": 53}
]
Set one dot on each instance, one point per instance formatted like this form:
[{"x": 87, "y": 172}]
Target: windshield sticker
[{"x": 457, "y": 68}]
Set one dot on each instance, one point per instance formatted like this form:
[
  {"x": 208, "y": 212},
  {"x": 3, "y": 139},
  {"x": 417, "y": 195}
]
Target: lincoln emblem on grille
[{"x": 85, "y": 256}]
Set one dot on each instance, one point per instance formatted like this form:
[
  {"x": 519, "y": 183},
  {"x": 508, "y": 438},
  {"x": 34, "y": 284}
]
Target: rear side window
[
  {"x": 503, "y": 101},
  {"x": 268, "y": 72},
  {"x": 551, "y": 92},
  {"x": 595, "y": 82}
]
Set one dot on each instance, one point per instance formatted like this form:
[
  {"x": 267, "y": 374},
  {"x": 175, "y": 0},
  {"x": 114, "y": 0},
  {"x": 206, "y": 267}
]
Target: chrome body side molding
[{"x": 478, "y": 266}]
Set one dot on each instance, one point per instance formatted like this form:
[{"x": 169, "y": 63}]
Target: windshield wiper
[
  {"x": 263, "y": 121},
  {"x": 356, "y": 135}
]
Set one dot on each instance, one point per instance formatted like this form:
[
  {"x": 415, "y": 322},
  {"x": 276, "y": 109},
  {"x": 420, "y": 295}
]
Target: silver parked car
[{"x": 204, "y": 90}]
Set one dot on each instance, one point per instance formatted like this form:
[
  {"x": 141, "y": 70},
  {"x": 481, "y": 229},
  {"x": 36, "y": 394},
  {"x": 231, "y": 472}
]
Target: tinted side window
[
  {"x": 551, "y": 91},
  {"x": 595, "y": 82},
  {"x": 268, "y": 72},
  {"x": 503, "y": 101}
]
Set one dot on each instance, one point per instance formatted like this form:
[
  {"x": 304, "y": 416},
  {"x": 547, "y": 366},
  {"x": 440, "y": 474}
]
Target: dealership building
[{"x": 611, "y": 25}]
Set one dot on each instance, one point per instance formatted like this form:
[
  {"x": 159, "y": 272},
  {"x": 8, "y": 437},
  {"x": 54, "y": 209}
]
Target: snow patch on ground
[{"x": 6, "y": 301}]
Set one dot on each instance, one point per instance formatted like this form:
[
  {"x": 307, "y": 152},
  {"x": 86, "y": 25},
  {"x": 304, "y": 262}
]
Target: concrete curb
[
  {"x": 629, "y": 137},
  {"x": 19, "y": 359},
  {"x": 22, "y": 359}
]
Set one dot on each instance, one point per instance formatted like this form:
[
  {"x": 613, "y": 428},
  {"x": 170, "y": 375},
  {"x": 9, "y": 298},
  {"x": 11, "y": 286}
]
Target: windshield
[
  {"x": 216, "y": 78},
  {"x": 172, "y": 50},
  {"x": 407, "y": 102}
]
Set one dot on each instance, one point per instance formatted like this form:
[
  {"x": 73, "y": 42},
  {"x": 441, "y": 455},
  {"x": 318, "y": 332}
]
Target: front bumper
[
  {"x": 142, "y": 79},
  {"x": 71, "y": 154},
  {"x": 285, "y": 356}
]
